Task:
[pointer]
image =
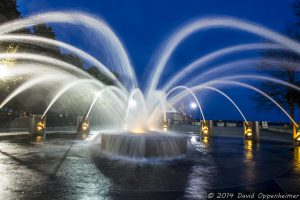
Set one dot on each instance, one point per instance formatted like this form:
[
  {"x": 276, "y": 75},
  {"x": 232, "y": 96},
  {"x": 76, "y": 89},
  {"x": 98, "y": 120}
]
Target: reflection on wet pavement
[
  {"x": 65, "y": 167},
  {"x": 296, "y": 160}
]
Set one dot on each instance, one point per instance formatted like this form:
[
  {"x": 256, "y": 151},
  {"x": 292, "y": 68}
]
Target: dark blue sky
[{"x": 143, "y": 25}]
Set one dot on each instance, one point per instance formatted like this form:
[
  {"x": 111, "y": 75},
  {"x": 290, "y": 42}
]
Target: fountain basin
[{"x": 147, "y": 145}]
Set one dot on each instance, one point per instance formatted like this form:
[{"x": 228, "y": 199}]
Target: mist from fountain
[
  {"x": 141, "y": 113},
  {"x": 200, "y": 62},
  {"x": 208, "y": 23},
  {"x": 45, "y": 41}
]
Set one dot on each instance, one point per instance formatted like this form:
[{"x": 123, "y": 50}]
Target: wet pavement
[{"x": 65, "y": 167}]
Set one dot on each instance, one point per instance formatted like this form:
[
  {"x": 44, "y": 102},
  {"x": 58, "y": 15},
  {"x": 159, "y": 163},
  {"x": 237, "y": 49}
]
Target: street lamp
[{"x": 193, "y": 105}]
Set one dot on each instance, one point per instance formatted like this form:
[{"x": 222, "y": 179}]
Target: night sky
[{"x": 143, "y": 25}]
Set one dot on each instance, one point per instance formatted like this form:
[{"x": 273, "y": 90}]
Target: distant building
[{"x": 179, "y": 118}]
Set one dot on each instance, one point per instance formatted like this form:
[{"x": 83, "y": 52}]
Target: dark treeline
[
  {"x": 30, "y": 102},
  {"x": 287, "y": 97}
]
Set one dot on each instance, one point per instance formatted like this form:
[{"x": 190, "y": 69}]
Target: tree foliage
[
  {"x": 29, "y": 101},
  {"x": 287, "y": 97}
]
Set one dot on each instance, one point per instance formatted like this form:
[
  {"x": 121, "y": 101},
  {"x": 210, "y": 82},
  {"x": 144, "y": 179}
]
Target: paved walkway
[{"x": 65, "y": 167}]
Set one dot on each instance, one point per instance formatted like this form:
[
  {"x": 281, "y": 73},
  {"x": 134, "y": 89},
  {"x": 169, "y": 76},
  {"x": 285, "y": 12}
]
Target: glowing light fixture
[
  {"x": 205, "y": 141},
  {"x": 40, "y": 126},
  {"x": 3, "y": 71},
  {"x": 193, "y": 105},
  {"x": 125, "y": 126},
  {"x": 39, "y": 138},
  {"x": 138, "y": 131},
  {"x": 165, "y": 126},
  {"x": 297, "y": 136},
  {"x": 204, "y": 128},
  {"x": 132, "y": 103},
  {"x": 248, "y": 132},
  {"x": 85, "y": 126}
]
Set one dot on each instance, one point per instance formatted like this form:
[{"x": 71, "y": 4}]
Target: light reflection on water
[
  {"x": 78, "y": 172},
  {"x": 198, "y": 141},
  {"x": 205, "y": 141},
  {"x": 296, "y": 160},
  {"x": 5, "y": 180},
  {"x": 194, "y": 139},
  {"x": 199, "y": 177},
  {"x": 248, "y": 146},
  {"x": 39, "y": 138}
]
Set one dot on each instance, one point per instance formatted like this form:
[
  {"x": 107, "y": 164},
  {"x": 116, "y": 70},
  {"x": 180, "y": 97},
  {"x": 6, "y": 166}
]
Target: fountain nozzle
[{"x": 165, "y": 126}]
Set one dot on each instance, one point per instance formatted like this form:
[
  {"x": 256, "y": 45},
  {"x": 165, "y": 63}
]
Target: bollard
[
  {"x": 165, "y": 126},
  {"x": 248, "y": 130},
  {"x": 205, "y": 128},
  {"x": 251, "y": 130},
  {"x": 37, "y": 125},
  {"x": 296, "y": 135},
  {"x": 83, "y": 126}
]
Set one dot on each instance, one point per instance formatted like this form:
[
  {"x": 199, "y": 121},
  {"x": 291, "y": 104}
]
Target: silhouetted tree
[
  {"x": 42, "y": 30},
  {"x": 8, "y": 12},
  {"x": 296, "y": 7},
  {"x": 287, "y": 97},
  {"x": 33, "y": 100},
  {"x": 74, "y": 60},
  {"x": 94, "y": 71}
]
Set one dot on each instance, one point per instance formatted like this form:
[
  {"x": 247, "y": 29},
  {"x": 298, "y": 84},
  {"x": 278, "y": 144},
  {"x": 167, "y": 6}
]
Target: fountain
[{"x": 134, "y": 122}]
